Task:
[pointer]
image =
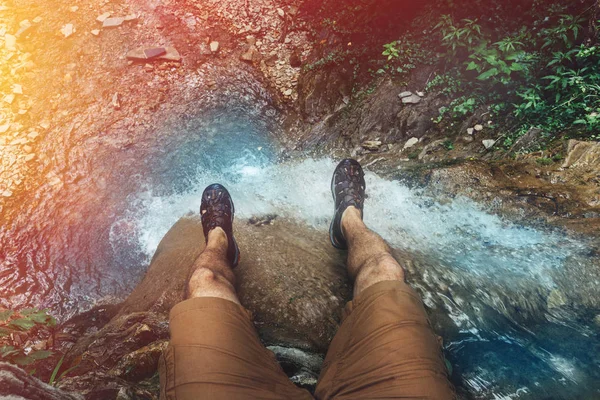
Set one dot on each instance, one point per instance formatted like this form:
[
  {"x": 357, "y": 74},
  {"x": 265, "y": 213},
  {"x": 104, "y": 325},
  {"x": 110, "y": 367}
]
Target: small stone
[
  {"x": 113, "y": 22},
  {"x": 470, "y": 131},
  {"x": 23, "y": 27},
  {"x": 288, "y": 92},
  {"x": 17, "y": 89},
  {"x": 54, "y": 181},
  {"x": 412, "y": 99},
  {"x": 95, "y": 32},
  {"x": 33, "y": 135},
  {"x": 67, "y": 78},
  {"x": 37, "y": 20},
  {"x": 250, "y": 55},
  {"x": 7, "y": 193},
  {"x": 410, "y": 143},
  {"x": 67, "y": 30},
  {"x": 153, "y": 52},
  {"x": 214, "y": 46},
  {"x": 103, "y": 17},
  {"x": 4, "y": 127},
  {"x": 405, "y": 94},
  {"x": 116, "y": 101},
  {"x": 372, "y": 145},
  {"x": 27, "y": 149},
  {"x": 281, "y": 12},
  {"x": 421, "y": 94},
  {"x": 45, "y": 124},
  {"x": 130, "y": 17},
  {"x": 287, "y": 40},
  {"x": 74, "y": 9},
  {"x": 9, "y": 98},
  {"x": 478, "y": 127},
  {"x": 488, "y": 143},
  {"x": 10, "y": 42},
  {"x": 29, "y": 157},
  {"x": 251, "y": 40}
]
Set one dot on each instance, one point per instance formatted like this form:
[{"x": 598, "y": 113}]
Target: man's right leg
[{"x": 385, "y": 347}]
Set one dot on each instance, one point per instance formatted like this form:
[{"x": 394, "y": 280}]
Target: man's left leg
[{"x": 215, "y": 352}]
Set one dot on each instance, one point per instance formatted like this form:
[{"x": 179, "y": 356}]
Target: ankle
[
  {"x": 217, "y": 238},
  {"x": 351, "y": 221}
]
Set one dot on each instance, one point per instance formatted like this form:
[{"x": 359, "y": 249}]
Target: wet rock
[
  {"x": 372, "y": 145},
  {"x": 556, "y": 299},
  {"x": 412, "y": 99},
  {"x": 18, "y": 384},
  {"x": 582, "y": 154},
  {"x": 488, "y": 143},
  {"x": 214, "y": 46},
  {"x": 410, "y": 143}
]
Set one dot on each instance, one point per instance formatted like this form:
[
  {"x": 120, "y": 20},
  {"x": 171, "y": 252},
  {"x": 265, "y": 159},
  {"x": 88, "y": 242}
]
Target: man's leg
[
  {"x": 385, "y": 347},
  {"x": 215, "y": 352}
]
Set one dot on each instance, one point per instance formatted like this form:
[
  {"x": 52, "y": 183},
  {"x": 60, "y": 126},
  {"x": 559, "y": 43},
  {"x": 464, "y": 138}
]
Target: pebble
[
  {"x": 9, "y": 98},
  {"x": 214, "y": 46},
  {"x": 7, "y": 193},
  {"x": 470, "y": 131},
  {"x": 478, "y": 127},
  {"x": 17, "y": 89},
  {"x": 288, "y": 92},
  {"x": 113, "y": 22},
  {"x": 95, "y": 32},
  {"x": 103, "y": 17},
  {"x": 67, "y": 30},
  {"x": 10, "y": 42},
  {"x": 488, "y": 143},
  {"x": 281, "y": 12},
  {"x": 410, "y": 143}
]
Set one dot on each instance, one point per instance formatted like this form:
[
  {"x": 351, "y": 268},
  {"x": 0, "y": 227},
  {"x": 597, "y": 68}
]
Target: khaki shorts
[{"x": 385, "y": 348}]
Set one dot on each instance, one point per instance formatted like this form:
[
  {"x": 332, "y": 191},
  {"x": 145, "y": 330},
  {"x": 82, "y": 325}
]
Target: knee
[{"x": 383, "y": 266}]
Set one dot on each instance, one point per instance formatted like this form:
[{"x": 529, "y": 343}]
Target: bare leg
[
  {"x": 369, "y": 258},
  {"x": 212, "y": 275}
]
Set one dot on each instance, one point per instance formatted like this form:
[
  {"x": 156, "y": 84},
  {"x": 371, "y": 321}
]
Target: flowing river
[{"x": 92, "y": 237}]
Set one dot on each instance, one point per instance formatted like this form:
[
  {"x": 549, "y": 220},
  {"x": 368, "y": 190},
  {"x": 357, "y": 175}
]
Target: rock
[
  {"x": 17, "y": 89},
  {"x": 421, "y": 94},
  {"x": 67, "y": 30},
  {"x": 4, "y": 127},
  {"x": 74, "y": 8},
  {"x": 29, "y": 157},
  {"x": 95, "y": 32},
  {"x": 251, "y": 40},
  {"x": 130, "y": 17},
  {"x": 7, "y": 193},
  {"x": 10, "y": 42},
  {"x": 9, "y": 98},
  {"x": 470, "y": 131},
  {"x": 23, "y": 27},
  {"x": 431, "y": 147},
  {"x": 116, "y": 101},
  {"x": 530, "y": 141},
  {"x": 478, "y": 127},
  {"x": 556, "y": 299},
  {"x": 37, "y": 20},
  {"x": 410, "y": 143},
  {"x": 142, "y": 53},
  {"x": 113, "y": 22},
  {"x": 296, "y": 59},
  {"x": 488, "y": 143},
  {"x": 371, "y": 145},
  {"x": 582, "y": 154},
  {"x": 405, "y": 94},
  {"x": 288, "y": 92},
  {"x": 412, "y": 99},
  {"x": 280, "y": 12},
  {"x": 214, "y": 46},
  {"x": 103, "y": 17},
  {"x": 251, "y": 55}
]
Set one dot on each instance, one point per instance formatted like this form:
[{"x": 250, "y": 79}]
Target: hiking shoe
[
  {"x": 217, "y": 211},
  {"x": 348, "y": 189}
]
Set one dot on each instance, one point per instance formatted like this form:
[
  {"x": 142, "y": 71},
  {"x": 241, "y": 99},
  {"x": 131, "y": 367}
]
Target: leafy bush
[{"x": 18, "y": 330}]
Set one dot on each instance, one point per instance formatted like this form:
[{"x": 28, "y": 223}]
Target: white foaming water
[{"x": 459, "y": 233}]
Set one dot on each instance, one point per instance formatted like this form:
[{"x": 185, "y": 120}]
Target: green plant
[
  {"x": 18, "y": 327},
  {"x": 448, "y": 145}
]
